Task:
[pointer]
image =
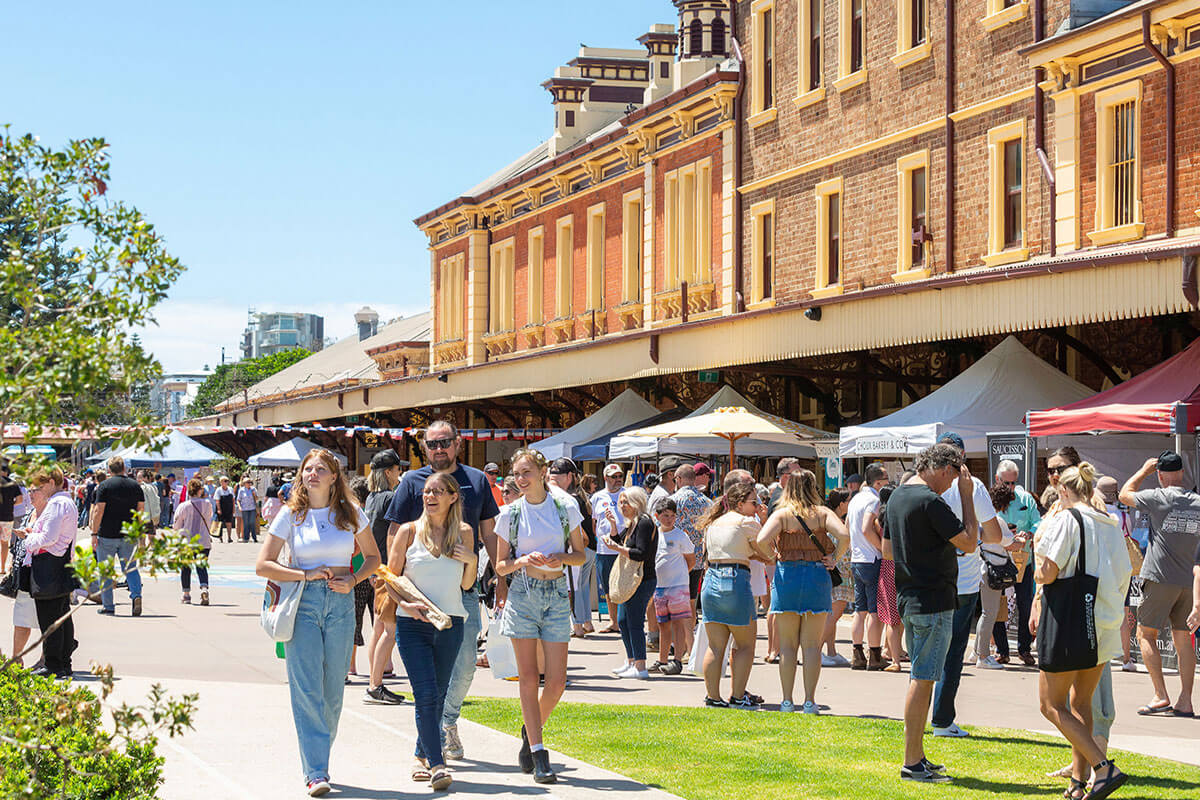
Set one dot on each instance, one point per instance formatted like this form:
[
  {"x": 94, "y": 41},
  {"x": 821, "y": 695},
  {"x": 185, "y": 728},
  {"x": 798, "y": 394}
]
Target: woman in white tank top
[{"x": 431, "y": 553}]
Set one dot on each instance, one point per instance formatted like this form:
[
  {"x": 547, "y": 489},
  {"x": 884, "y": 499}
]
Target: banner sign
[{"x": 1018, "y": 448}]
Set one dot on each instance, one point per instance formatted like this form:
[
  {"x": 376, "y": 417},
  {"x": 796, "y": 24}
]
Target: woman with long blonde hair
[
  {"x": 432, "y": 553},
  {"x": 537, "y": 535},
  {"x": 321, "y": 525},
  {"x": 807, "y": 539}
]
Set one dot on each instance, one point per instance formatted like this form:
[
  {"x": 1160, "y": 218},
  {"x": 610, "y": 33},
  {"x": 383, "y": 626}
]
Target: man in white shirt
[
  {"x": 969, "y": 575},
  {"x": 601, "y": 503},
  {"x": 666, "y": 479},
  {"x": 865, "y": 542}
]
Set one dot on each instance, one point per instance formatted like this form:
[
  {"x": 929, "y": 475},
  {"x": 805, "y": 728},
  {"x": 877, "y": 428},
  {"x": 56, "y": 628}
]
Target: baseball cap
[
  {"x": 668, "y": 463},
  {"x": 385, "y": 459},
  {"x": 1107, "y": 486},
  {"x": 703, "y": 469},
  {"x": 855, "y": 478},
  {"x": 952, "y": 438},
  {"x": 1169, "y": 461},
  {"x": 491, "y": 466},
  {"x": 563, "y": 466},
  {"x": 613, "y": 469}
]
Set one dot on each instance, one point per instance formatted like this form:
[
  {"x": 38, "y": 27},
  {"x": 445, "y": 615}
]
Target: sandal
[
  {"x": 420, "y": 770},
  {"x": 772, "y": 658},
  {"x": 1076, "y": 786},
  {"x": 440, "y": 780},
  {"x": 1149, "y": 710},
  {"x": 1103, "y": 787}
]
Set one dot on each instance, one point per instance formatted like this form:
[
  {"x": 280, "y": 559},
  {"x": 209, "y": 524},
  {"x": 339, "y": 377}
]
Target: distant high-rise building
[
  {"x": 170, "y": 395},
  {"x": 269, "y": 333}
]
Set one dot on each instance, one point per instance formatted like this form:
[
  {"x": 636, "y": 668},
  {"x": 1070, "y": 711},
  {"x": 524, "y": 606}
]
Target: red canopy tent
[{"x": 1163, "y": 399}]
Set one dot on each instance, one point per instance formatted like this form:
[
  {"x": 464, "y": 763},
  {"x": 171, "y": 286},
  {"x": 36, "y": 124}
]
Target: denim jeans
[
  {"x": 581, "y": 612},
  {"x": 123, "y": 548},
  {"x": 429, "y": 656},
  {"x": 464, "y": 667},
  {"x": 185, "y": 573},
  {"x": 1024, "y": 592},
  {"x": 947, "y": 688},
  {"x": 605, "y": 563},
  {"x": 318, "y": 657},
  {"x": 631, "y": 619}
]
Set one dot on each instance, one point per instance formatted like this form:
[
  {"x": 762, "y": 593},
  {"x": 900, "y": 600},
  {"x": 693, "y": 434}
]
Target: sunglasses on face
[
  {"x": 1010, "y": 483},
  {"x": 439, "y": 444},
  {"x": 435, "y": 492},
  {"x": 1057, "y": 470}
]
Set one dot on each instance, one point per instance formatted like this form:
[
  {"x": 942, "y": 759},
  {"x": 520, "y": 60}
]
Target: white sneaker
[
  {"x": 988, "y": 663},
  {"x": 617, "y": 670},
  {"x": 640, "y": 674},
  {"x": 629, "y": 671},
  {"x": 1129, "y": 666},
  {"x": 840, "y": 660},
  {"x": 950, "y": 730},
  {"x": 828, "y": 661}
]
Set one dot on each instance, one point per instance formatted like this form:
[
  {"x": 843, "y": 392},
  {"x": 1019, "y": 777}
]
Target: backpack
[{"x": 514, "y": 521}]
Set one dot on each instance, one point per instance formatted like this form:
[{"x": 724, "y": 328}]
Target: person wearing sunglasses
[
  {"x": 441, "y": 446},
  {"x": 1021, "y": 516}
]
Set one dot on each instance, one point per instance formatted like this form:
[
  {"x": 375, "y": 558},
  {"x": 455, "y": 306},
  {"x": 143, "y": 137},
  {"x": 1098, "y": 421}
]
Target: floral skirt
[
  {"x": 889, "y": 613},
  {"x": 844, "y": 593}
]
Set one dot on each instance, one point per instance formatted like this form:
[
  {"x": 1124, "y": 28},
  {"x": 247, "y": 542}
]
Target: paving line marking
[{"x": 213, "y": 772}]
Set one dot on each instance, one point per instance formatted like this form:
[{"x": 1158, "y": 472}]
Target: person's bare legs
[
  {"x": 525, "y": 651},
  {"x": 787, "y": 626},
  {"x": 555, "y": 655},
  {"x": 1152, "y": 658},
  {"x": 382, "y": 652},
  {"x": 916, "y": 712},
  {"x": 1128, "y": 625},
  {"x": 681, "y": 635},
  {"x": 772, "y": 635},
  {"x": 858, "y": 627},
  {"x": 874, "y": 630},
  {"x": 1066, "y": 701},
  {"x": 1187, "y": 669},
  {"x": 829, "y": 635},
  {"x": 20, "y": 639},
  {"x": 666, "y": 635},
  {"x": 894, "y": 644},
  {"x": 812, "y": 627},
  {"x": 718, "y": 639},
  {"x": 744, "y": 637}
]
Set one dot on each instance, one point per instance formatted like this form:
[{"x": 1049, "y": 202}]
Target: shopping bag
[
  {"x": 501, "y": 656},
  {"x": 695, "y": 664}
]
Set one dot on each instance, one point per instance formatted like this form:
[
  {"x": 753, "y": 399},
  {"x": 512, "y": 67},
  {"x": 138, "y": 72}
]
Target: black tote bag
[
  {"x": 1067, "y": 639},
  {"x": 50, "y": 577}
]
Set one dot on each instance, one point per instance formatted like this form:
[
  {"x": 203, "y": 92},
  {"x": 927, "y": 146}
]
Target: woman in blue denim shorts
[
  {"x": 730, "y": 530},
  {"x": 807, "y": 539},
  {"x": 536, "y": 537}
]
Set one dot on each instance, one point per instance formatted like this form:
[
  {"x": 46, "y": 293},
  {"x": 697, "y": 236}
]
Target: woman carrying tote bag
[
  {"x": 636, "y": 545},
  {"x": 321, "y": 524},
  {"x": 1084, "y": 570},
  {"x": 48, "y": 545}
]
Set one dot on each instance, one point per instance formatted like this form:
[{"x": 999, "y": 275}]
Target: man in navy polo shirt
[{"x": 441, "y": 446}]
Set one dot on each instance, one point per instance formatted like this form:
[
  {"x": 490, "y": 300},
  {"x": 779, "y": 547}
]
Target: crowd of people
[{"x": 683, "y": 572}]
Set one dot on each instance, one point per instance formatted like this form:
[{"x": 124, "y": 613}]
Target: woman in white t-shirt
[
  {"x": 536, "y": 537},
  {"x": 1066, "y": 696},
  {"x": 321, "y": 524}
]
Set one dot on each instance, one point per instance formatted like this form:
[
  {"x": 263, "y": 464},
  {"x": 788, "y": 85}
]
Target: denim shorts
[
  {"x": 928, "y": 639},
  {"x": 801, "y": 587},
  {"x": 537, "y": 609},
  {"x": 725, "y": 596},
  {"x": 866, "y": 586}
]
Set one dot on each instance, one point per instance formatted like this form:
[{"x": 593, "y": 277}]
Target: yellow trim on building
[
  {"x": 998, "y": 15},
  {"x": 997, "y": 138},
  {"x": 821, "y": 286},
  {"x": 905, "y": 166}
]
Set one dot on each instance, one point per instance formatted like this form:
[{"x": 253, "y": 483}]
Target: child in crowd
[{"x": 672, "y": 603}]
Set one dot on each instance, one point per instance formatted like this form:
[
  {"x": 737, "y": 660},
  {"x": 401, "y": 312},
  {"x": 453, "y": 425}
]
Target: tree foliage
[
  {"x": 229, "y": 379},
  {"x": 78, "y": 273}
]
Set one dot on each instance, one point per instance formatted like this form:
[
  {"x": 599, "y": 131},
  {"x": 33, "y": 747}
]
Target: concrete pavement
[{"x": 244, "y": 743}]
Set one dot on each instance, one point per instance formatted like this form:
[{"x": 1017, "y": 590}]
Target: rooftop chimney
[
  {"x": 660, "y": 47},
  {"x": 368, "y": 322},
  {"x": 593, "y": 90}
]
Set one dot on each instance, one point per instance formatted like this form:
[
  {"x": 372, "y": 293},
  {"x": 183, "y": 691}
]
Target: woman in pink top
[{"x": 52, "y": 534}]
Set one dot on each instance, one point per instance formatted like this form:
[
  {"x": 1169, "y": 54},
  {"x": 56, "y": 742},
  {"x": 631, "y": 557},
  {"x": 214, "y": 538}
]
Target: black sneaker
[
  {"x": 923, "y": 774},
  {"x": 137, "y": 606},
  {"x": 718, "y": 703},
  {"x": 382, "y": 696},
  {"x": 672, "y": 667},
  {"x": 932, "y": 767},
  {"x": 757, "y": 699},
  {"x": 744, "y": 702}
]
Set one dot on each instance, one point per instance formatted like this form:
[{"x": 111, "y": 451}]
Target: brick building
[{"x": 836, "y": 204}]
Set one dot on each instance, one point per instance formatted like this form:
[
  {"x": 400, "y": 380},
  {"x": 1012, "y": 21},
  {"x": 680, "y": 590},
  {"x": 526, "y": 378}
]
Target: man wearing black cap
[{"x": 1174, "y": 515}]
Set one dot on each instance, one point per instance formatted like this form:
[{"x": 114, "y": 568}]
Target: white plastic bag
[
  {"x": 695, "y": 664},
  {"x": 500, "y": 654}
]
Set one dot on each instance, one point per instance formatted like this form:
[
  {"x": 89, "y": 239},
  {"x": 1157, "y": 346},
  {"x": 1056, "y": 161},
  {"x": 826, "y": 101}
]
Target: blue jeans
[
  {"x": 581, "y": 612},
  {"x": 464, "y": 667},
  {"x": 947, "y": 688},
  {"x": 1024, "y": 592},
  {"x": 318, "y": 657},
  {"x": 928, "y": 637},
  {"x": 122, "y": 548},
  {"x": 429, "y": 656},
  {"x": 631, "y": 619},
  {"x": 606, "y": 561}
]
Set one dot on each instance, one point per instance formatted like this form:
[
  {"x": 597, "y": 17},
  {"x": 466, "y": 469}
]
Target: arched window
[
  {"x": 696, "y": 38},
  {"x": 718, "y": 37}
]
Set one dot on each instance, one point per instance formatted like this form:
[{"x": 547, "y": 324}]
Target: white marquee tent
[
  {"x": 287, "y": 454},
  {"x": 626, "y": 410}
]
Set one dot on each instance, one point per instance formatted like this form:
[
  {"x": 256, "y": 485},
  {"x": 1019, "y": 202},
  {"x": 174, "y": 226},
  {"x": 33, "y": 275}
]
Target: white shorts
[{"x": 25, "y": 612}]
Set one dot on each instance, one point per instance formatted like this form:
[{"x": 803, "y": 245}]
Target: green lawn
[{"x": 717, "y": 754}]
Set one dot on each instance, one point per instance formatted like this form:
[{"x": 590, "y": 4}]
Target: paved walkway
[{"x": 244, "y": 743}]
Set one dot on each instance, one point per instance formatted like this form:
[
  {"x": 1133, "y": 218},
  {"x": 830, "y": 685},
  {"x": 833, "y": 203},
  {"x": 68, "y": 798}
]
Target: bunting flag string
[{"x": 18, "y": 430}]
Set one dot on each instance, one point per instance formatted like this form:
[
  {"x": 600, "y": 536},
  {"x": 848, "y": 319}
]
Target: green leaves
[{"x": 229, "y": 379}]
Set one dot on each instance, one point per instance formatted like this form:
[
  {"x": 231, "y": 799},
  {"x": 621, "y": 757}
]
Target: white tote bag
[
  {"x": 500, "y": 654},
  {"x": 695, "y": 665},
  {"x": 281, "y": 600}
]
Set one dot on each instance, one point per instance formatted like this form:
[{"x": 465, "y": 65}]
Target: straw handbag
[{"x": 624, "y": 580}]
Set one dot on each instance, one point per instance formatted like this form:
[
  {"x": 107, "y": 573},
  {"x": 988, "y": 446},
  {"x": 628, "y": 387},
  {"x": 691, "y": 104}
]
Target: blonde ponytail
[{"x": 1080, "y": 480}]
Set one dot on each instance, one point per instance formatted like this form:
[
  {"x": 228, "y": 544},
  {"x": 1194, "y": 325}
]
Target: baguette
[{"x": 405, "y": 590}]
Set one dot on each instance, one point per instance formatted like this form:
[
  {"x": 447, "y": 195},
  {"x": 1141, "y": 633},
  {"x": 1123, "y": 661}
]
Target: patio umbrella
[{"x": 731, "y": 424}]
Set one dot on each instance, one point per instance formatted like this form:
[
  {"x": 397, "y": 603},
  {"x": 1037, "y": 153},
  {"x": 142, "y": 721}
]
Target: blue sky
[{"x": 283, "y": 149}]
